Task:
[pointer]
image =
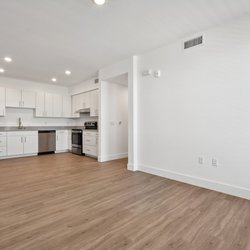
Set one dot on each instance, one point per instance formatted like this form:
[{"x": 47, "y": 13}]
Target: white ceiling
[{"x": 45, "y": 37}]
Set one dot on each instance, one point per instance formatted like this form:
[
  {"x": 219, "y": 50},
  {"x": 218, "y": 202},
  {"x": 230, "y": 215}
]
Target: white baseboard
[
  {"x": 61, "y": 151},
  {"x": 112, "y": 157},
  {"x": 131, "y": 167},
  {"x": 16, "y": 156},
  {"x": 200, "y": 182}
]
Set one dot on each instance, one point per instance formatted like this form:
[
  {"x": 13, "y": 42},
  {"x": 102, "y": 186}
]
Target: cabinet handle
[
  {"x": 21, "y": 139},
  {"x": 23, "y": 103},
  {"x": 25, "y": 139},
  {"x": 57, "y": 137}
]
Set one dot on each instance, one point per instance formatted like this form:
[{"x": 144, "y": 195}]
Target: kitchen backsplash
[{"x": 28, "y": 119}]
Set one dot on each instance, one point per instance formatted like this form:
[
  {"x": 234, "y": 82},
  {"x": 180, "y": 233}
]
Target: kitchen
[{"x": 37, "y": 122}]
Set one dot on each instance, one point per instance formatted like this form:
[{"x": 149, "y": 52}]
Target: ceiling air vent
[
  {"x": 96, "y": 80},
  {"x": 193, "y": 42}
]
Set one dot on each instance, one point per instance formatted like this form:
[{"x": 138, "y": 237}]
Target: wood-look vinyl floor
[{"x": 65, "y": 201}]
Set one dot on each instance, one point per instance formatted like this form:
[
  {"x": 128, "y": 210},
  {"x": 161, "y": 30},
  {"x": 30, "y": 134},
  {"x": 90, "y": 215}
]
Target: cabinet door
[
  {"x": 85, "y": 100},
  {"x": 57, "y": 106},
  {"x": 94, "y": 102},
  {"x": 14, "y": 145},
  {"x": 30, "y": 145},
  {"x": 67, "y": 106},
  {"x": 48, "y": 105},
  {"x": 62, "y": 140},
  {"x": 28, "y": 99},
  {"x": 75, "y": 105},
  {"x": 40, "y": 104},
  {"x": 13, "y": 98},
  {"x": 2, "y": 101}
]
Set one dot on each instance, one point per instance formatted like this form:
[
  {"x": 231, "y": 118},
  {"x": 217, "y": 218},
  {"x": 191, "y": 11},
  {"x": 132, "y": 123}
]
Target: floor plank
[{"x": 70, "y": 202}]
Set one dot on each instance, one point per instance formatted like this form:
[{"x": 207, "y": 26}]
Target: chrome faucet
[{"x": 20, "y": 125}]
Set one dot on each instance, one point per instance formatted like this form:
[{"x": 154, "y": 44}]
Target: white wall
[
  {"x": 114, "y": 70},
  {"x": 35, "y": 86},
  {"x": 27, "y": 115},
  {"x": 114, "y": 109},
  {"x": 84, "y": 86},
  {"x": 128, "y": 66},
  {"x": 199, "y": 107}
]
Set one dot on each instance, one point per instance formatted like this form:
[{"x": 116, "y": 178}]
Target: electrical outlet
[
  {"x": 214, "y": 162},
  {"x": 200, "y": 160}
]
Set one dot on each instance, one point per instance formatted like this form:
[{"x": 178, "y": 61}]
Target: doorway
[{"x": 113, "y": 121}]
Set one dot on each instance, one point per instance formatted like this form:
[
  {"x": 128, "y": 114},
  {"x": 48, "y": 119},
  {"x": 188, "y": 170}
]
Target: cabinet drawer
[
  {"x": 2, "y": 141},
  {"x": 3, "y": 151},
  {"x": 90, "y": 140},
  {"x": 90, "y": 150},
  {"x": 90, "y": 133}
]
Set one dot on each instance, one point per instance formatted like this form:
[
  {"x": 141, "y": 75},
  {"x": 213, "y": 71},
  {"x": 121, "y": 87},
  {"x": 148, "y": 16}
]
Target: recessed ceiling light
[
  {"x": 7, "y": 59},
  {"x": 2, "y": 70},
  {"x": 68, "y": 72},
  {"x": 99, "y": 2},
  {"x": 53, "y": 79}
]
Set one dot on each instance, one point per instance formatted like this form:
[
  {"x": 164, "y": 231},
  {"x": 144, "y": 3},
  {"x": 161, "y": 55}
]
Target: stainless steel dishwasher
[{"x": 46, "y": 141}]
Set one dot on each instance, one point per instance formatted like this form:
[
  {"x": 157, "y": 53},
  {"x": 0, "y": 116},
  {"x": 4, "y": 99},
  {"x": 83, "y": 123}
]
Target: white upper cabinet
[
  {"x": 66, "y": 106},
  {"x": 13, "y": 98},
  {"x": 44, "y": 105},
  {"x": 48, "y": 107},
  {"x": 2, "y": 101},
  {"x": 94, "y": 102},
  {"x": 57, "y": 106},
  {"x": 85, "y": 100},
  {"x": 17, "y": 98},
  {"x": 76, "y": 105},
  {"x": 53, "y": 105},
  {"x": 40, "y": 104},
  {"x": 28, "y": 99}
]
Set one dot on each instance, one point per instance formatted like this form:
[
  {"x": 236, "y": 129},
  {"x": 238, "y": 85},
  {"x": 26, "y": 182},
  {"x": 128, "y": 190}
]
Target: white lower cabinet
[
  {"x": 62, "y": 140},
  {"x": 90, "y": 143},
  {"x": 3, "y": 144},
  {"x": 15, "y": 144},
  {"x": 30, "y": 144},
  {"x": 22, "y": 143}
]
